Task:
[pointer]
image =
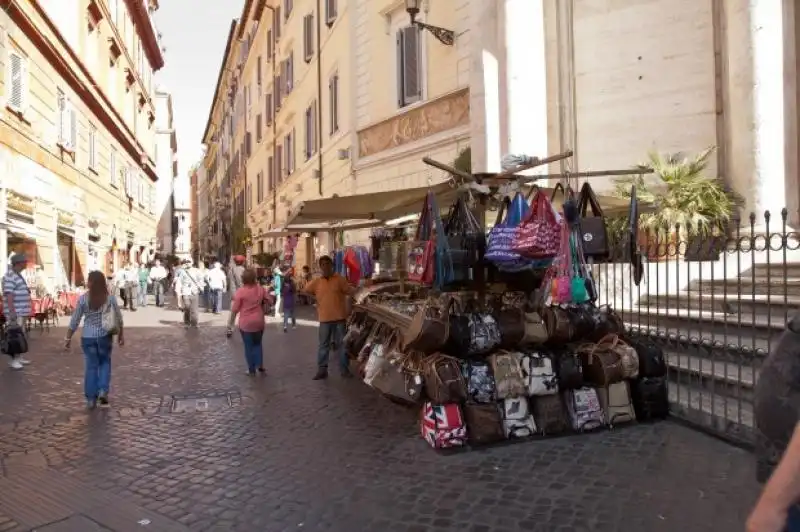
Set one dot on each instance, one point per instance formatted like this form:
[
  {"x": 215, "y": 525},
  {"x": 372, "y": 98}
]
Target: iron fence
[{"x": 716, "y": 304}]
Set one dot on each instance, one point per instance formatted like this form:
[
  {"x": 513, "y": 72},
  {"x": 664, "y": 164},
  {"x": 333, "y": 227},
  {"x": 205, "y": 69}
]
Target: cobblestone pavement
[{"x": 293, "y": 454}]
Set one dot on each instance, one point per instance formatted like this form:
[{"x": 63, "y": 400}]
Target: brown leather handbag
[
  {"x": 601, "y": 367},
  {"x": 559, "y": 326},
  {"x": 627, "y": 354},
  {"x": 429, "y": 329},
  {"x": 535, "y": 329},
  {"x": 511, "y": 323},
  {"x": 444, "y": 382},
  {"x": 484, "y": 423}
]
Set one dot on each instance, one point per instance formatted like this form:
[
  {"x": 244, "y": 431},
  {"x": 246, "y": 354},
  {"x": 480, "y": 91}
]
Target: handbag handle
[
  {"x": 588, "y": 199},
  {"x": 502, "y": 210},
  {"x": 556, "y": 188}
]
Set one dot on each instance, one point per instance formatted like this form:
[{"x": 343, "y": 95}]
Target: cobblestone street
[{"x": 286, "y": 453}]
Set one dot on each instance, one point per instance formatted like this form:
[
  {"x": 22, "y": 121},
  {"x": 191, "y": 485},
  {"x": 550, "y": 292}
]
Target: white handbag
[
  {"x": 109, "y": 319},
  {"x": 518, "y": 421},
  {"x": 539, "y": 374},
  {"x": 615, "y": 400}
]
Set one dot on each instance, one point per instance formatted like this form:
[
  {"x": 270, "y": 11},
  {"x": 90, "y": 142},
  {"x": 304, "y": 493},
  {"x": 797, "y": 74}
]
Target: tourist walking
[
  {"x": 102, "y": 319},
  {"x": 331, "y": 291},
  {"x": 144, "y": 281},
  {"x": 188, "y": 281},
  {"x": 277, "y": 283},
  {"x": 289, "y": 298},
  {"x": 131, "y": 287},
  {"x": 158, "y": 276},
  {"x": 248, "y": 304},
  {"x": 17, "y": 308},
  {"x": 217, "y": 283},
  {"x": 119, "y": 281}
]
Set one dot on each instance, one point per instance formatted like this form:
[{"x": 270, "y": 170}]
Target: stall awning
[
  {"x": 376, "y": 206},
  {"x": 317, "y": 227}
]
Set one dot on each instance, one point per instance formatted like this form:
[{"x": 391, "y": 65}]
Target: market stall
[{"x": 497, "y": 336}]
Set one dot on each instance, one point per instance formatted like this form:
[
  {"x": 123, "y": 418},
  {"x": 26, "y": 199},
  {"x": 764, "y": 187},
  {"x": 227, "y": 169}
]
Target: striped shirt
[
  {"x": 92, "y": 319},
  {"x": 14, "y": 284}
]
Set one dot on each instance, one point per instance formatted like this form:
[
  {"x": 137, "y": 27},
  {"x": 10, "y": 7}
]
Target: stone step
[
  {"x": 718, "y": 377},
  {"x": 721, "y": 414},
  {"x": 777, "y": 286},
  {"x": 776, "y": 268},
  {"x": 705, "y": 324},
  {"x": 732, "y": 303},
  {"x": 737, "y": 346}
]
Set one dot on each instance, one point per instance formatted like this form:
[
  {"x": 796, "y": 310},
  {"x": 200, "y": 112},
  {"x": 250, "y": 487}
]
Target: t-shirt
[
  {"x": 777, "y": 399},
  {"x": 331, "y": 294},
  {"x": 247, "y": 302},
  {"x": 13, "y": 283}
]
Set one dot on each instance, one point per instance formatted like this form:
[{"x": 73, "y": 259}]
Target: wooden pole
[
  {"x": 509, "y": 174},
  {"x": 447, "y": 168}
]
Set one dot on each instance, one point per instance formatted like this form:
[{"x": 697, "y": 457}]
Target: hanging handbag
[
  {"x": 110, "y": 317},
  {"x": 511, "y": 324},
  {"x": 484, "y": 333},
  {"x": 637, "y": 262},
  {"x": 500, "y": 243},
  {"x": 378, "y": 360},
  {"x": 535, "y": 329},
  {"x": 479, "y": 381},
  {"x": 592, "y": 229},
  {"x": 539, "y": 234},
  {"x": 559, "y": 326},
  {"x": 429, "y": 329},
  {"x": 569, "y": 369},
  {"x": 561, "y": 286},
  {"x": 421, "y": 255},
  {"x": 579, "y": 292},
  {"x": 443, "y": 379},
  {"x": 458, "y": 338},
  {"x": 466, "y": 240}
]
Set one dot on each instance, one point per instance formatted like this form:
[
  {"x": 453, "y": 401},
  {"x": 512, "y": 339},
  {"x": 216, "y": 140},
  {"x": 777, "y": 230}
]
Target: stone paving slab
[{"x": 296, "y": 454}]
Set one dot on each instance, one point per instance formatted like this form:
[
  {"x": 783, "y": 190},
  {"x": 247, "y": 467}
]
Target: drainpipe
[
  {"x": 319, "y": 95},
  {"x": 274, "y": 125}
]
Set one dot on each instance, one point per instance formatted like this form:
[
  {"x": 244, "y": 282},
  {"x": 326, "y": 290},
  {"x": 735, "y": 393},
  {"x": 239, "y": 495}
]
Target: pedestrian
[
  {"x": 248, "y": 304},
  {"x": 176, "y": 286},
  {"x": 331, "y": 291},
  {"x": 131, "y": 286},
  {"x": 217, "y": 283},
  {"x": 144, "y": 282},
  {"x": 97, "y": 339},
  {"x": 777, "y": 420},
  {"x": 119, "y": 286},
  {"x": 190, "y": 289},
  {"x": 17, "y": 304},
  {"x": 277, "y": 283},
  {"x": 158, "y": 276},
  {"x": 237, "y": 271},
  {"x": 289, "y": 296}
]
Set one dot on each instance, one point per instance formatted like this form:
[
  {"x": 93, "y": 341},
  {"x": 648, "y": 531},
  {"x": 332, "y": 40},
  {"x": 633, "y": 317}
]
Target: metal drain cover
[{"x": 201, "y": 402}]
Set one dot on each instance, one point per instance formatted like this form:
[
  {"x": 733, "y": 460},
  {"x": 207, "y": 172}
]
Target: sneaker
[
  {"x": 294, "y": 326},
  {"x": 24, "y": 361},
  {"x": 15, "y": 364},
  {"x": 251, "y": 373},
  {"x": 91, "y": 404},
  {"x": 321, "y": 375},
  {"x": 102, "y": 400}
]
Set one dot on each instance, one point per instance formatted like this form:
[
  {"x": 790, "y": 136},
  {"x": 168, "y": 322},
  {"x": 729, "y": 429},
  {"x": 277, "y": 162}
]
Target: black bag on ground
[
  {"x": 652, "y": 362},
  {"x": 650, "y": 398},
  {"x": 569, "y": 369},
  {"x": 14, "y": 342}
]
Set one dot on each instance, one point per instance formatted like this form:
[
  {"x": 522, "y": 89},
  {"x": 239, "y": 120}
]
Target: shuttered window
[
  {"x": 288, "y": 146},
  {"x": 260, "y": 187},
  {"x": 409, "y": 89},
  {"x": 113, "y": 178},
  {"x": 331, "y": 12},
  {"x": 67, "y": 123},
  {"x": 311, "y": 130},
  {"x": 333, "y": 103},
  {"x": 259, "y": 133},
  {"x": 17, "y": 88},
  {"x": 308, "y": 37}
]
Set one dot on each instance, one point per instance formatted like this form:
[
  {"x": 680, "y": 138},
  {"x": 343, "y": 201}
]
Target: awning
[
  {"x": 318, "y": 227},
  {"x": 381, "y": 207}
]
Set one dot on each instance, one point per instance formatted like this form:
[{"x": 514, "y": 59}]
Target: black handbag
[
  {"x": 14, "y": 342},
  {"x": 593, "y": 233},
  {"x": 570, "y": 371},
  {"x": 652, "y": 362},
  {"x": 637, "y": 263},
  {"x": 466, "y": 240},
  {"x": 459, "y": 338}
]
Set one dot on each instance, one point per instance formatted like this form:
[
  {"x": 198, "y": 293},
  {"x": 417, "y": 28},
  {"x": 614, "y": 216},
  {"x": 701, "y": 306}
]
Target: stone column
[{"x": 525, "y": 75}]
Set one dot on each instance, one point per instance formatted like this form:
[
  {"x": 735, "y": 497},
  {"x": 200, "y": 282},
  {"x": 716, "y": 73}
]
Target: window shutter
[
  {"x": 112, "y": 169},
  {"x": 294, "y": 150},
  {"x": 73, "y": 129},
  {"x": 258, "y": 128},
  {"x": 270, "y": 44},
  {"x": 270, "y": 174},
  {"x": 258, "y": 70},
  {"x": 278, "y": 165},
  {"x": 16, "y": 94},
  {"x": 269, "y": 109},
  {"x": 308, "y": 37},
  {"x": 411, "y": 87}
]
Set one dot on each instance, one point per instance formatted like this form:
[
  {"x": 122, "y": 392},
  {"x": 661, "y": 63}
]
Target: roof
[{"x": 222, "y": 68}]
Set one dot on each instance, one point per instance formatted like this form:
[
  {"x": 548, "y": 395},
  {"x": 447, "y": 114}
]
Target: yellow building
[{"x": 77, "y": 134}]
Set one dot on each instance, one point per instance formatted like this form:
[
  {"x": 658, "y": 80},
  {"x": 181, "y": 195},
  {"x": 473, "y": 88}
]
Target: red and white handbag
[{"x": 443, "y": 426}]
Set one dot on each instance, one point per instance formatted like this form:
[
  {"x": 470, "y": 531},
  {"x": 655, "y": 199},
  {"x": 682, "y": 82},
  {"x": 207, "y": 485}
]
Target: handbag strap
[
  {"x": 588, "y": 199},
  {"x": 501, "y": 212},
  {"x": 424, "y": 226}
]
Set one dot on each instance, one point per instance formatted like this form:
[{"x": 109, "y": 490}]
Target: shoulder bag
[
  {"x": 592, "y": 229},
  {"x": 109, "y": 318}
]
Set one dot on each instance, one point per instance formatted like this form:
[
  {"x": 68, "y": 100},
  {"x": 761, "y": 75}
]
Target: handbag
[
  {"x": 109, "y": 319},
  {"x": 569, "y": 369},
  {"x": 637, "y": 262},
  {"x": 539, "y": 234},
  {"x": 443, "y": 379},
  {"x": 484, "y": 333},
  {"x": 561, "y": 286},
  {"x": 535, "y": 329},
  {"x": 479, "y": 381},
  {"x": 508, "y": 375},
  {"x": 511, "y": 324},
  {"x": 458, "y": 339},
  {"x": 429, "y": 329},
  {"x": 629, "y": 359},
  {"x": 592, "y": 229},
  {"x": 500, "y": 243},
  {"x": 466, "y": 240},
  {"x": 484, "y": 423},
  {"x": 601, "y": 367},
  {"x": 421, "y": 255},
  {"x": 559, "y": 326}
]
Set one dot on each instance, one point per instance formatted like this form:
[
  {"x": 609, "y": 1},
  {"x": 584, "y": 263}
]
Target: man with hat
[{"x": 17, "y": 300}]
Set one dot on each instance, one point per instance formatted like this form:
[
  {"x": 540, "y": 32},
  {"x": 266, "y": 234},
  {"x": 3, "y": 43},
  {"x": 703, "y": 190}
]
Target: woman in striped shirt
[{"x": 96, "y": 342}]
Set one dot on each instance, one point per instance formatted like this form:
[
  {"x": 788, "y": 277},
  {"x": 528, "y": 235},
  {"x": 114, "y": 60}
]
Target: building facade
[
  {"x": 166, "y": 153},
  {"x": 197, "y": 177},
  {"x": 77, "y": 134}
]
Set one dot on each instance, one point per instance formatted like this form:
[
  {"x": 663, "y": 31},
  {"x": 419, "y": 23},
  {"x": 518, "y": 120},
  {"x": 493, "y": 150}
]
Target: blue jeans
[
  {"x": 207, "y": 298},
  {"x": 288, "y": 313},
  {"x": 253, "y": 352},
  {"x": 793, "y": 519},
  {"x": 97, "y": 357},
  {"x": 331, "y": 334},
  {"x": 216, "y": 297},
  {"x": 142, "y": 294}
]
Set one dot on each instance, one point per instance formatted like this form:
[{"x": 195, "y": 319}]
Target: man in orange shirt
[{"x": 331, "y": 292}]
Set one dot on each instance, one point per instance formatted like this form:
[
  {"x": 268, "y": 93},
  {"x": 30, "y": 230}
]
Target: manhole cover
[{"x": 201, "y": 402}]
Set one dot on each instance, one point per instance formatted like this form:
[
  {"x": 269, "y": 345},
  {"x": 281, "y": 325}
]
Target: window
[
  {"x": 270, "y": 174},
  {"x": 17, "y": 89},
  {"x": 278, "y": 91},
  {"x": 67, "y": 123},
  {"x": 288, "y": 147},
  {"x": 278, "y": 165},
  {"x": 287, "y": 8},
  {"x": 92, "y": 147},
  {"x": 112, "y": 170},
  {"x": 409, "y": 86},
  {"x": 270, "y": 45},
  {"x": 151, "y": 199},
  {"x": 140, "y": 190},
  {"x": 268, "y": 115},
  {"x": 290, "y": 72},
  {"x": 261, "y": 247},
  {"x": 248, "y": 194},
  {"x": 248, "y": 144},
  {"x": 276, "y": 22},
  {"x": 330, "y": 12},
  {"x": 258, "y": 72},
  {"x": 259, "y": 136},
  {"x": 308, "y": 37},
  {"x": 333, "y": 103},
  {"x": 260, "y": 187},
  {"x": 311, "y": 130}
]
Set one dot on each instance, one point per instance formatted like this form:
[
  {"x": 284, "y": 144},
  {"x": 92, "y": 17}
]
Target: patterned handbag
[
  {"x": 421, "y": 255},
  {"x": 500, "y": 244},
  {"x": 539, "y": 234},
  {"x": 508, "y": 375},
  {"x": 443, "y": 426}
]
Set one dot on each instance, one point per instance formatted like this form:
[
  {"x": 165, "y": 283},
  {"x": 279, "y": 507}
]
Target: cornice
[{"x": 144, "y": 27}]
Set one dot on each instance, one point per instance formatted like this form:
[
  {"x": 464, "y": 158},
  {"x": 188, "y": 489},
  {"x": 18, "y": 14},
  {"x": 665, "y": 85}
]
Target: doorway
[{"x": 66, "y": 252}]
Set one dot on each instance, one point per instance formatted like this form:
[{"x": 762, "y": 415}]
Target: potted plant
[{"x": 700, "y": 207}]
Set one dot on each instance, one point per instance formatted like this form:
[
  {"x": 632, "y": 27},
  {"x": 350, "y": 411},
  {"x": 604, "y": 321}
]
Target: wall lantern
[{"x": 444, "y": 36}]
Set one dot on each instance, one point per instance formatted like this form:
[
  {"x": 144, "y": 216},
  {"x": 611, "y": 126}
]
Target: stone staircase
[{"x": 716, "y": 333}]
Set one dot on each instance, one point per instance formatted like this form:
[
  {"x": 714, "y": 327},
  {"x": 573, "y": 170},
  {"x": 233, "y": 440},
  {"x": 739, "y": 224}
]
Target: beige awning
[{"x": 293, "y": 229}]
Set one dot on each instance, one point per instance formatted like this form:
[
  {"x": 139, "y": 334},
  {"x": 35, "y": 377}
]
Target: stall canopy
[
  {"x": 381, "y": 207},
  {"x": 320, "y": 226}
]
